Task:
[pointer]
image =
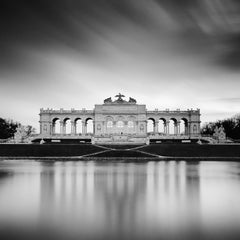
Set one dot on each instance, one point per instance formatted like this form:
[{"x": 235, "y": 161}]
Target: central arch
[{"x": 109, "y": 125}]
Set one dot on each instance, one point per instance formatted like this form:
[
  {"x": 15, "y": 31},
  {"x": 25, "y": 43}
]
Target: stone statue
[
  {"x": 108, "y": 100},
  {"x": 219, "y": 134},
  {"x": 132, "y": 100},
  {"x": 119, "y": 96}
]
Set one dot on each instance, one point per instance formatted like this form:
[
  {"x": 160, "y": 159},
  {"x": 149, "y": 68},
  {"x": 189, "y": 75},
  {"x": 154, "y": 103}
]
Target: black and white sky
[{"x": 75, "y": 53}]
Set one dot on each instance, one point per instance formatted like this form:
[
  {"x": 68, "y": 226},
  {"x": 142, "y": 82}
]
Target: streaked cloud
[{"x": 165, "y": 53}]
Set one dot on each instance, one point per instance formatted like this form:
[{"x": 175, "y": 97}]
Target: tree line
[
  {"x": 8, "y": 128},
  {"x": 231, "y": 127}
]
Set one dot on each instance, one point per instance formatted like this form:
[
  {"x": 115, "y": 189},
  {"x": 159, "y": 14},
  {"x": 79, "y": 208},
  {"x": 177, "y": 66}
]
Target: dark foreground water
[{"x": 118, "y": 200}]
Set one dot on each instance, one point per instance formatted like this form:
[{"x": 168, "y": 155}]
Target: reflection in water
[{"x": 124, "y": 200}]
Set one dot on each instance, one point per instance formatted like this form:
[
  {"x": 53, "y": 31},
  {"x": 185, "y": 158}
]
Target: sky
[{"x": 75, "y": 53}]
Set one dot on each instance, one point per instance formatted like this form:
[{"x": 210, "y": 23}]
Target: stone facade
[{"x": 118, "y": 121}]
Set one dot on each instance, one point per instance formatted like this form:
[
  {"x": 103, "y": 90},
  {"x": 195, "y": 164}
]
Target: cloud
[
  {"x": 75, "y": 53},
  {"x": 229, "y": 100},
  {"x": 205, "y": 29}
]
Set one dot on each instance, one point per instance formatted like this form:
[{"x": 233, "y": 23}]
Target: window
[
  {"x": 130, "y": 124},
  {"x": 109, "y": 124},
  {"x": 120, "y": 124}
]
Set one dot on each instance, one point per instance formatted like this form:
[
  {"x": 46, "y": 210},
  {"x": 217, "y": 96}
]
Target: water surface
[{"x": 119, "y": 200}]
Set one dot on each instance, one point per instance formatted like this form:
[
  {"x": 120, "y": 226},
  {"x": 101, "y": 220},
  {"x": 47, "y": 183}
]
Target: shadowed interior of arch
[
  {"x": 56, "y": 126},
  {"x": 172, "y": 126},
  {"x": 89, "y": 125},
  {"x": 67, "y": 126},
  {"x": 150, "y": 125},
  {"x": 183, "y": 126},
  {"x": 162, "y": 126},
  {"x": 78, "y": 125}
]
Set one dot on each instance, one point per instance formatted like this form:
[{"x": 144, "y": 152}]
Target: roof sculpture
[{"x": 120, "y": 100}]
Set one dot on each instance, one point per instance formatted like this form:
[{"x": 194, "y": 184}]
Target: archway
[
  {"x": 131, "y": 124},
  {"x": 184, "y": 126},
  {"x": 56, "y": 126},
  {"x": 67, "y": 126},
  {"x": 78, "y": 126},
  {"x": 150, "y": 125},
  {"x": 120, "y": 126},
  {"x": 109, "y": 125},
  {"x": 89, "y": 126},
  {"x": 173, "y": 126},
  {"x": 162, "y": 126}
]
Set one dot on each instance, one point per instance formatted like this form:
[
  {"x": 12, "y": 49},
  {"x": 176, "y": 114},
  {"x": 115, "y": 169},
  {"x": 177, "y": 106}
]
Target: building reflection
[{"x": 138, "y": 200}]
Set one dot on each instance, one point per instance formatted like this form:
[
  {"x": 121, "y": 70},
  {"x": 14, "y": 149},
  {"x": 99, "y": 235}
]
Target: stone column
[
  {"x": 41, "y": 128},
  {"x": 156, "y": 127},
  {"x": 178, "y": 128},
  {"x": 125, "y": 127},
  {"x": 136, "y": 130},
  {"x": 114, "y": 131},
  {"x": 73, "y": 128},
  {"x": 61, "y": 127},
  {"x": 186, "y": 129},
  {"x": 84, "y": 127},
  {"x": 64, "y": 128},
  {"x": 52, "y": 128},
  {"x": 167, "y": 127},
  {"x": 198, "y": 128},
  {"x": 93, "y": 127},
  {"x": 104, "y": 128},
  {"x": 189, "y": 128},
  {"x": 145, "y": 127}
]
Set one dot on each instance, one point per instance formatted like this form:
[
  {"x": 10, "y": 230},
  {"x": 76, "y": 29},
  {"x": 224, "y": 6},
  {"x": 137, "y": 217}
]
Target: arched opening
[
  {"x": 109, "y": 124},
  {"x": 78, "y": 126},
  {"x": 120, "y": 126},
  {"x": 150, "y": 125},
  {"x": 67, "y": 126},
  {"x": 89, "y": 126},
  {"x": 130, "y": 126},
  {"x": 173, "y": 126},
  {"x": 162, "y": 126},
  {"x": 183, "y": 126},
  {"x": 56, "y": 126}
]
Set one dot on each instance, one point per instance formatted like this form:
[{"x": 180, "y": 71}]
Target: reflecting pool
[{"x": 119, "y": 200}]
